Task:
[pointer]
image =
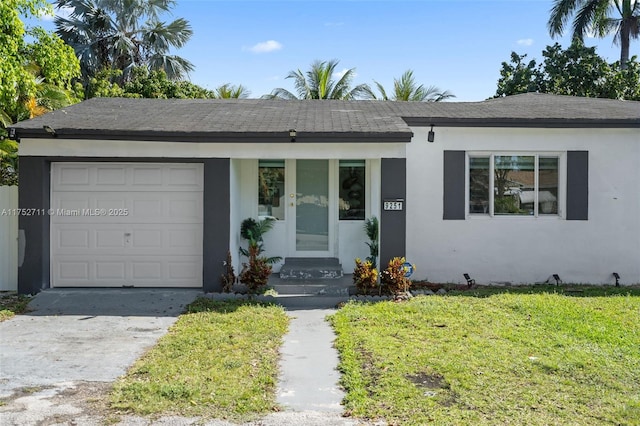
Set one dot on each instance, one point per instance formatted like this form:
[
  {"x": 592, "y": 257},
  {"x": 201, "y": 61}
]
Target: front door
[{"x": 310, "y": 205}]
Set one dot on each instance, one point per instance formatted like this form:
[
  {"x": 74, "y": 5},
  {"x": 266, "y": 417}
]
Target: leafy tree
[
  {"x": 576, "y": 71},
  {"x": 407, "y": 89},
  {"x": 602, "y": 17},
  {"x": 518, "y": 76},
  {"x": 35, "y": 76},
  {"x": 319, "y": 83},
  {"x": 124, "y": 34},
  {"x": 143, "y": 84}
]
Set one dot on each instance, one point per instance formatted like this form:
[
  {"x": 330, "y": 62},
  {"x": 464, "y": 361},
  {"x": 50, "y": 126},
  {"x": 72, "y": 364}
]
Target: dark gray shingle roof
[{"x": 317, "y": 120}]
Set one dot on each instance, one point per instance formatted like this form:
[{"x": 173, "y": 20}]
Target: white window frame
[{"x": 562, "y": 179}]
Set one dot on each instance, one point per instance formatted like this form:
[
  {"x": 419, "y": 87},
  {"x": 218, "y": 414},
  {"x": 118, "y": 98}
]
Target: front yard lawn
[
  {"x": 219, "y": 360},
  {"x": 518, "y": 359}
]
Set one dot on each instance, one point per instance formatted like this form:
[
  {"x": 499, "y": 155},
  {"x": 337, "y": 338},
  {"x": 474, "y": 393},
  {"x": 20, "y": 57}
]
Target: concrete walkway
[{"x": 309, "y": 376}]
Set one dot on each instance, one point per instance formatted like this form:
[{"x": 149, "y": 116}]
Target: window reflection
[
  {"x": 271, "y": 202},
  {"x": 352, "y": 192}
]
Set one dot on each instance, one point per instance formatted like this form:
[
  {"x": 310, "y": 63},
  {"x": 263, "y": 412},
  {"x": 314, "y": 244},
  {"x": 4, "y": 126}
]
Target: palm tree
[
  {"x": 123, "y": 34},
  {"x": 602, "y": 17},
  {"x": 319, "y": 83},
  {"x": 406, "y": 89},
  {"x": 230, "y": 91}
]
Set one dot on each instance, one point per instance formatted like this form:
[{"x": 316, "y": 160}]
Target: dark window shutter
[
  {"x": 577, "y": 185},
  {"x": 454, "y": 185}
]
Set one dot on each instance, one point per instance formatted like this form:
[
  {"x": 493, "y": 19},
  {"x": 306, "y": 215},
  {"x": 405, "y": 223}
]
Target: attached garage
[{"x": 126, "y": 224}]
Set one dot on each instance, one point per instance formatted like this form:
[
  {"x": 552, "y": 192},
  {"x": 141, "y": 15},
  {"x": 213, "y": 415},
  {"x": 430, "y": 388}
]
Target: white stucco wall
[
  {"x": 8, "y": 238},
  {"x": 528, "y": 249}
]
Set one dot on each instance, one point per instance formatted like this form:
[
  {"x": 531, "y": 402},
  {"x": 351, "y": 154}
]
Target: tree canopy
[
  {"x": 406, "y": 88},
  {"x": 600, "y": 17},
  {"x": 576, "y": 71},
  {"x": 35, "y": 76},
  {"x": 319, "y": 82},
  {"x": 124, "y": 34}
]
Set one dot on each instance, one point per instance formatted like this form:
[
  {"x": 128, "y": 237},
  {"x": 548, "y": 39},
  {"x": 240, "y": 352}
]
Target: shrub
[
  {"x": 393, "y": 278},
  {"x": 255, "y": 274},
  {"x": 365, "y": 276},
  {"x": 228, "y": 279}
]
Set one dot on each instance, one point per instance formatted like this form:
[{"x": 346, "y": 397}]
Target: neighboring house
[{"x": 151, "y": 193}]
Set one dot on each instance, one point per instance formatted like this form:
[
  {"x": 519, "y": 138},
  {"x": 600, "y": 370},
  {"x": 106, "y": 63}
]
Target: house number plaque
[{"x": 393, "y": 205}]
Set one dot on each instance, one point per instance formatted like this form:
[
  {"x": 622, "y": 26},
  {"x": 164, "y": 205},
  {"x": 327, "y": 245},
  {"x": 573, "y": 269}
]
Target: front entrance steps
[
  {"x": 328, "y": 289},
  {"x": 311, "y": 268}
]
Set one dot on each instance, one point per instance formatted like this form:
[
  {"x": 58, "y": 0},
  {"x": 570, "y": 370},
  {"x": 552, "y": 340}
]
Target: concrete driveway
[{"x": 89, "y": 335}]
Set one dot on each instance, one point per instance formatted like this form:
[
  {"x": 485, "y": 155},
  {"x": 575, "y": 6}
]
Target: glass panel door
[{"x": 312, "y": 205}]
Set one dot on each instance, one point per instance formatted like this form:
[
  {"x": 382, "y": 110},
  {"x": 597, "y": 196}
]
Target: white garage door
[{"x": 126, "y": 224}]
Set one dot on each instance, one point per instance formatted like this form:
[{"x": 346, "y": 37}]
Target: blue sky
[{"x": 457, "y": 45}]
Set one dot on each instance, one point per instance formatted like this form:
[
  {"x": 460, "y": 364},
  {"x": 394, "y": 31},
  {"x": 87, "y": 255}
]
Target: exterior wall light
[
  {"x": 292, "y": 134},
  {"x": 50, "y": 130},
  {"x": 431, "y": 136}
]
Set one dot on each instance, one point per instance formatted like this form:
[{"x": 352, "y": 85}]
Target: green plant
[
  {"x": 228, "y": 279},
  {"x": 393, "y": 278},
  {"x": 365, "y": 276},
  {"x": 371, "y": 228},
  {"x": 253, "y": 230},
  {"x": 255, "y": 273}
]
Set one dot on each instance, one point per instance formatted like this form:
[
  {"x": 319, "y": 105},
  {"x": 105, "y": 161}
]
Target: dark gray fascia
[
  {"x": 569, "y": 123},
  {"x": 222, "y": 137}
]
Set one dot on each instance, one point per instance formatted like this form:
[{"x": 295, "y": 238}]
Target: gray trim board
[
  {"x": 217, "y": 221},
  {"x": 223, "y": 137},
  {"x": 553, "y": 123},
  {"x": 577, "y": 185},
  {"x": 454, "y": 185},
  {"x": 393, "y": 224},
  {"x": 34, "y": 193}
]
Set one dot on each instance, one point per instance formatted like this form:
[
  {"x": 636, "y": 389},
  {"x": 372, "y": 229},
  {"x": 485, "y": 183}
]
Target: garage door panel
[
  {"x": 114, "y": 270},
  {"x": 157, "y": 243}
]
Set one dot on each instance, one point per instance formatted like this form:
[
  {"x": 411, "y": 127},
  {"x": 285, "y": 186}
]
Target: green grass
[
  {"x": 12, "y": 304},
  {"x": 220, "y": 360},
  {"x": 517, "y": 359}
]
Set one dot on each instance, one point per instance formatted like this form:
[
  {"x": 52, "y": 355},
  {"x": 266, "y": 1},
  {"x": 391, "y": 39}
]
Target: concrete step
[
  {"x": 311, "y": 268},
  {"x": 338, "y": 287}
]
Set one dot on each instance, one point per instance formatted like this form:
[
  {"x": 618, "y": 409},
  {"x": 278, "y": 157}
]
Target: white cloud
[
  {"x": 525, "y": 42},
  {"x": 265, "y": 47},
  {"x": 63, "y": 12}
]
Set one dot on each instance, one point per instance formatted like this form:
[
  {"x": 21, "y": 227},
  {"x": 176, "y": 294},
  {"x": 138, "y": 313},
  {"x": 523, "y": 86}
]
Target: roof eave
[
  {"x": 569, "y": 123},
  {"x": 221, "y": 137}
]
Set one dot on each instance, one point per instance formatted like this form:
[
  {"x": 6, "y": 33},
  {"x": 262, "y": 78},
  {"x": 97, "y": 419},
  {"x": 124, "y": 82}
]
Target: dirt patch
[
  {"x": 65, "y": 403},
  {"x": 428, "y": 380}
]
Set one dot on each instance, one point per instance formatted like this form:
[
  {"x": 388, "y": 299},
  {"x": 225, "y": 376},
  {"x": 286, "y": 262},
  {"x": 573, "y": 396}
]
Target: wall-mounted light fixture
[
  {"x": 431, "y": 136},
  {"x": 292, "y": 134},
  {"x": 50, "y": 130}
]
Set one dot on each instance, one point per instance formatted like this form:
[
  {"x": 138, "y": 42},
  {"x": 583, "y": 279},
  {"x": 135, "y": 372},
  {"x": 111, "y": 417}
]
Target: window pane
[
  {"x": 514, "y": 185},
  {"x": 352, "y": 189},
  {"x": 271, "y": 201},
  {"x": 548, "y": 185},
  {"x": 479, "y": 185}
]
